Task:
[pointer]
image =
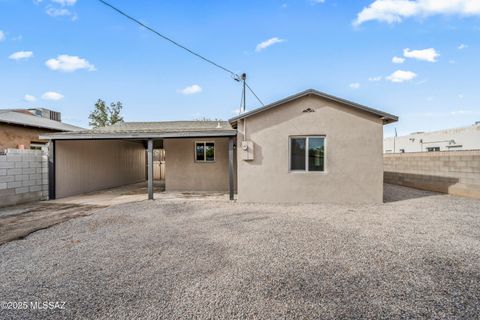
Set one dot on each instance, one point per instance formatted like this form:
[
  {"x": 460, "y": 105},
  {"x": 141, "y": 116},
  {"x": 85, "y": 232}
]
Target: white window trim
[
  {"x": 204, "y": 152},
  {"x": 306, "y": 137}
]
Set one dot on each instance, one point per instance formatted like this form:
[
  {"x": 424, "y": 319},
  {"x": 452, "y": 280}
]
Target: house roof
[
  {"x": 386, "y": 117},
  {"x": 30, "y": 120},
  {"x": 144, "y": 130}
]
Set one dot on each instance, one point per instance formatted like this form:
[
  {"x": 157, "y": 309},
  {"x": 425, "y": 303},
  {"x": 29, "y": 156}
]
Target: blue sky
[{"x": 65, "y": 54}]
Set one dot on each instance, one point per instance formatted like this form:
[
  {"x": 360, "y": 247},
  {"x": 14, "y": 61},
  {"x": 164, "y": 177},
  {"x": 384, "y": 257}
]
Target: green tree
[{"x": 104, "y": 115}]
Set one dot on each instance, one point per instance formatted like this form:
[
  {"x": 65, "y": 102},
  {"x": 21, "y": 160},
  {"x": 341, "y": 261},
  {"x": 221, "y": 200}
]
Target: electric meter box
[{"x": 247, "y": 150}]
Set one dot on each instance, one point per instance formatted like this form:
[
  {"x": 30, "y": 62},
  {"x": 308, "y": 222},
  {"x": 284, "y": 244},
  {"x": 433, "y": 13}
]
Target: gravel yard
[{"x": 416, "y": 256}]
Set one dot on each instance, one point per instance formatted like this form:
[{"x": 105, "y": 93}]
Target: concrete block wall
[
  {"x": 23, "y": 176},
  {"x": 453, "y": 172}
]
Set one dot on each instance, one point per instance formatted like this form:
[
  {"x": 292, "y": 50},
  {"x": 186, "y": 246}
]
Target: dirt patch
[{"x": 20, "y": 221}]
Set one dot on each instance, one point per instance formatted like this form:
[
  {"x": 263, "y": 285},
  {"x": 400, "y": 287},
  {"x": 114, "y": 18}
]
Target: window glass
[
  {"x": 200, "y": 151},
  {"x": 297, "y": 154},
  {"x": 316, "y": 154},
  {"x": 210, "y": 151}
]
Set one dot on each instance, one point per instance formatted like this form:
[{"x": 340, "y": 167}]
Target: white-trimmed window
[
  {"x": 37, "y": 146},
  {"x": 307, "y": 153},
  {"x": 204, "y": 151}
]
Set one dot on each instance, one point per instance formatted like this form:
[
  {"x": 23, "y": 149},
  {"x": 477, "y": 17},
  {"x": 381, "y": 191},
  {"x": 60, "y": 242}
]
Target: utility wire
[
  {"x": 233, "y": 74},
  {"x": 254, "y": 94}
]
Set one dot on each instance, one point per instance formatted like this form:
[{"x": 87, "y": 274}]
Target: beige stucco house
[{"x": 309, "y": 147}]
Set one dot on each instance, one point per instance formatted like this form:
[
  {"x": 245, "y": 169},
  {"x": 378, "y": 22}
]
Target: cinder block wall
[
  {"x": 454, "y": 172},
  {"x": 23, "y": 176}
]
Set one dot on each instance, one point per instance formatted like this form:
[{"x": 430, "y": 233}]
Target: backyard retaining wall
[
  {"x": 453, "y": 172},
  {"x": 23, "y": 176}
]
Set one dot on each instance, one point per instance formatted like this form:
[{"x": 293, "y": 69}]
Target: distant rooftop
[
  {"x": 142, "y": 130},
  {"x": 24, "y": 117}
]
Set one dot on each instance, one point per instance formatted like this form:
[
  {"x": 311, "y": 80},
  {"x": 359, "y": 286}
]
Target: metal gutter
[{"x": 142, "y": 135}]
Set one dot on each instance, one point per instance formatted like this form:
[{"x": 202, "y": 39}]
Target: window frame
[
  {"x": 307, "y": 144},
  {"x": 204, "y": 152}
]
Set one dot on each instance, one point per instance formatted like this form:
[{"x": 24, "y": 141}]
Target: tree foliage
[{"x": 104, "y": 115}]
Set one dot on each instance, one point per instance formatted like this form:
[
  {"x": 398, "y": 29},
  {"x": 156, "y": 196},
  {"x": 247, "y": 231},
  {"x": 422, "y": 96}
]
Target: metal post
[
  {"x": 51, "y": 170},
  {"x": 244, "y": 79},
  {"x": 150, "y": 168},
  {"x": 230, "y": 168}
]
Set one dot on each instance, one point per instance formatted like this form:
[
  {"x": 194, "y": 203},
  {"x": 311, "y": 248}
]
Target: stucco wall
[
  {"x": 453, "y": 172},
  {"x": 11, "y": 136},
  {"x": 182, "y": 173},
  {"x": 85, "y": 166},
  {"x": 354, "y": 162}
]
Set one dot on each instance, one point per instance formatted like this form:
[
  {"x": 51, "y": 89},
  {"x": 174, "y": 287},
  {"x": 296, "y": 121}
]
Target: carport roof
[{"x": 145, "y": 130}]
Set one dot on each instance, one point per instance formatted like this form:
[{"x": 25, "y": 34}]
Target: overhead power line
[
  {"x": 233, "y": 74},
  {"x": 168, "y": 39},
  {"x": 254, "y": 94}
]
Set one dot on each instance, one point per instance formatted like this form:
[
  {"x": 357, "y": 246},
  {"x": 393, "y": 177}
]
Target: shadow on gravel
[
  {"x": 393, "y": 193},
  {"x": 19, "y": 221}
]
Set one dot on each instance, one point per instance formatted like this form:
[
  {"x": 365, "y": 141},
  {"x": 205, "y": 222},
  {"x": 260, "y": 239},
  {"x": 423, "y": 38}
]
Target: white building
[{"x": 465, "y": 138}]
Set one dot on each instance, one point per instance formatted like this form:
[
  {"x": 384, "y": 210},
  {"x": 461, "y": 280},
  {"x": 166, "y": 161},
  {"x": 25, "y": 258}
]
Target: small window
[
  {"x": 204, "y": 151},
  {"x": 36, "y": 146},
  {"x": 433, "y": 149},
  {"x": 307, "y": 153}
]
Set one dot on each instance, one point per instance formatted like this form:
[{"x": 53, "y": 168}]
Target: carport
[{"x": 91, "y": 160}]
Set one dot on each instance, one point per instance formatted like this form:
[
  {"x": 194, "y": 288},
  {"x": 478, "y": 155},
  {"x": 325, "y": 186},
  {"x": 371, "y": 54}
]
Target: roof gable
[{"x": 386, "y": 117}]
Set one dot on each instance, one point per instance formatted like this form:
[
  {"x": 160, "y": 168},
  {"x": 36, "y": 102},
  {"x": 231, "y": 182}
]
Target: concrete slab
[{"x": 138, "y": 192}]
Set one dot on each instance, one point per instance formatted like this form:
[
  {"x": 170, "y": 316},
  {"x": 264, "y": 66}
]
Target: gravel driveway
[{"x": 416, "y": 256}]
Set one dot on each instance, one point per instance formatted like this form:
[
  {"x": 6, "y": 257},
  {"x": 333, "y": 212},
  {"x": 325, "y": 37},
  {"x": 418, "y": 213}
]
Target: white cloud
[
  {"x": 462, "y": 46},
  {"x": 2, "y": 35},
  {"x": 29, "y": 98},
  {"x": 195, "y": 88},
  {"x": 65, "y": 2},
  {"x": 19, "y": 55},
  {"x": 398, "y": 60},
  {"x": 429, "y": 54},
  {"x": 354, "y": 85},
  {"x": 267, "y": 43},
  {"x": 401, "y": 76},
  {"x": 317, "y": 1},
  {"x": 53, "y": 96},
  {"x": 394, "y": 11},
  {"x": 375, "y": 79},
  {"x": 58, "y": 12},
  {"x": 68, "y": 63}
]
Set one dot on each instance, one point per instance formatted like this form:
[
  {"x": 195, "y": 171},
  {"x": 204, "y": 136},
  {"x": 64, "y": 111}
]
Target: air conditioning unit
[{"x": 247, "y": 150}]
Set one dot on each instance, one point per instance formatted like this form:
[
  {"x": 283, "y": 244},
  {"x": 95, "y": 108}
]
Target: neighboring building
[
  {"x": 20, "y": 128},
  {"x": 465, "y": 138},
  {"x": 309, "y": 147}
]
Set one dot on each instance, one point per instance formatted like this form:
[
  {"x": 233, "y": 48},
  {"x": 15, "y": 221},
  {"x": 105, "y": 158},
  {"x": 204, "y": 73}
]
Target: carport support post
[
  {"x": 51, "y": 170},
  {"x": 230, "y": 167},
  {"x": 150, "y": 168}
]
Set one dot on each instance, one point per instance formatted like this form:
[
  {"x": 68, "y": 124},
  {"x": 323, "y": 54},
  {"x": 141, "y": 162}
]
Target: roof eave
[
  {"x": 17, "y": 123},
  {"x": 158, "y": 135},
  {"x": 386, "y": 117}
]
